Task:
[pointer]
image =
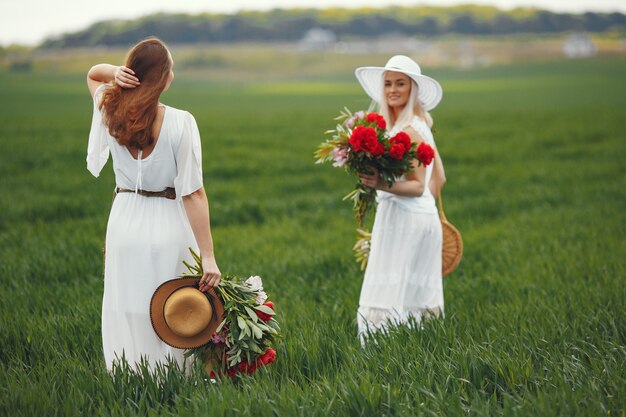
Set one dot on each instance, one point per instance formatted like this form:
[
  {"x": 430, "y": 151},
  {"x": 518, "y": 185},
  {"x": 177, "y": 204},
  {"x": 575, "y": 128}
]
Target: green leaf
[
  {"x": 257, "y": 332},
  {"x": 219, "y": 328},
  {"x": 265, "y": 309},
  {"x": 274, "y": 325},
  {"x": 256, "y": 349},
  {"x": 241, "y": 323},
  {"x": 233, "y": 360},
  {"x": 196, "y": 257},
  {"x": 263, "y": 327},
  {"x": 252, "y": 314}
]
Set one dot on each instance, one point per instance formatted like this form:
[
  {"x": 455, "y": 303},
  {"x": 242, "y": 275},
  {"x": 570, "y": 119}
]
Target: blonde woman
[
  {"x": 160, "y": 208},
  {"x": 403, "y": 278}
]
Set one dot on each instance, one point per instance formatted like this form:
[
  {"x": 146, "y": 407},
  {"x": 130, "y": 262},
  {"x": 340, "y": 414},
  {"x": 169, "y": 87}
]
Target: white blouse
[{"x": 176, "y": 160}]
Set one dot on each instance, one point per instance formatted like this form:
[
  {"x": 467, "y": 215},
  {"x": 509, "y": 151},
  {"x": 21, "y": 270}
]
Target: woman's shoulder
[
  {"x": 178, "y": 113},
  {"x": 180, "y": 124},
  {"x": 426, "y": 119},
  {"x": 419, "y": 129},
  {"x": 179, "y": 118},
  {"x": 98, "y": 93}
]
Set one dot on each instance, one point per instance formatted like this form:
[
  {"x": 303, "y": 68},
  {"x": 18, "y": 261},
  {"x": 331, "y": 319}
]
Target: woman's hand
[
  {"x": 371, "y": 180},
  {"x": 211, "y": 276},
  {"x": 125, "y": 77}
]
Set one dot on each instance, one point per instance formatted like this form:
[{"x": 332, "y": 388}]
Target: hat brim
[
  {"x": 157, "y": 315},
  {"x": 371, "y": 79}
]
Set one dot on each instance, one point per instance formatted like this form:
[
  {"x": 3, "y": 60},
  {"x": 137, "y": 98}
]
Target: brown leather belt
[{"x": 169, "y": 192}]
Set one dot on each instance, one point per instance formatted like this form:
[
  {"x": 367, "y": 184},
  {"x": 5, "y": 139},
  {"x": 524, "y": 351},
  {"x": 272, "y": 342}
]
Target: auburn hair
[{"x": 129, "y": 113}]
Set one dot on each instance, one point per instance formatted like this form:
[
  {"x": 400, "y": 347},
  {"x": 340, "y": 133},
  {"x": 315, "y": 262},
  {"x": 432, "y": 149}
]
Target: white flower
[
  {"x": 256, "y": 284},
  {"x": 340, "y": 156},
  {"x": 261, "y": 298},
  {"x": 351, "y": 121}
]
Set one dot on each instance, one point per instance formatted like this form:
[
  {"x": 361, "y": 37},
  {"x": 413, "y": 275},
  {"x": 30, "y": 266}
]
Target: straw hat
[
  {"x": 371, "y": 79},
  {"x": 183, "y": 316}
]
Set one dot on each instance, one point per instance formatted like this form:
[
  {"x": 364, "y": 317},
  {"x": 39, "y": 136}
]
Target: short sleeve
[
  {"x": 98, "y": 147},
  {"x": 188, "y": 159}
]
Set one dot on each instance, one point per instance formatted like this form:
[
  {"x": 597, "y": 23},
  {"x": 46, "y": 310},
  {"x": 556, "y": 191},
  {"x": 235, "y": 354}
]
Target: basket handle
[{"x": 442, "y": 215}]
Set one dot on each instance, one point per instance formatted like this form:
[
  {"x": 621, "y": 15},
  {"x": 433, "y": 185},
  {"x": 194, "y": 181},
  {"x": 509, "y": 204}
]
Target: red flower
[
  {"x": 397, "y": 151},
  {"x": 373, "y": 146},
  {"x": 364, "y": 138},
  {"x": 232, "y": 372},
  {"x": 378, "y": 119},
  {"x": 268, "y": 357},
  {"x": 402, "y": 139},
  {"x": 361, "y": 135},
  {"x": 264, "y": 316},
  {"x": 425, "y": 153},
  {"x": 247, "y": 367}
]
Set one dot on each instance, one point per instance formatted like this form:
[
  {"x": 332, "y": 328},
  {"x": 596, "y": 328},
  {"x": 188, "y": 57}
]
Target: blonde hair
[{"x": 413, "y": 107}]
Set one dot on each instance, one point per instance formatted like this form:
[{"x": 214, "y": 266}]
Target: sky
[{"x": 29, "y": 22}]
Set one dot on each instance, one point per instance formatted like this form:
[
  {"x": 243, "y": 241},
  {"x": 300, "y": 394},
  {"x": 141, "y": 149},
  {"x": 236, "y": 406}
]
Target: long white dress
[
  {"x": 147, "y": 237},
  {"x": 403, "y": 275}
]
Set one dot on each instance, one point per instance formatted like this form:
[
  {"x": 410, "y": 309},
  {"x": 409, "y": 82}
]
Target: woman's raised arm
[{"x": 105, "y": 73}]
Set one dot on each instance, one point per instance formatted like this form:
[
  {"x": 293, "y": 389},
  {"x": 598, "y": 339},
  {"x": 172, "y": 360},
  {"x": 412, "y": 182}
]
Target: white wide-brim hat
[{"x": 371, "y": 79}]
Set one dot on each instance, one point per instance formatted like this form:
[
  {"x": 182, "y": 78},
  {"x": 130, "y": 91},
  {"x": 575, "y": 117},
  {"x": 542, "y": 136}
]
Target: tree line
[{"x": 291, "y": 25}]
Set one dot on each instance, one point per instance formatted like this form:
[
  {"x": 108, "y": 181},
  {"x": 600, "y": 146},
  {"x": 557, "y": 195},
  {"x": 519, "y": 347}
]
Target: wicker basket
[{"x": 452, "y": 245}]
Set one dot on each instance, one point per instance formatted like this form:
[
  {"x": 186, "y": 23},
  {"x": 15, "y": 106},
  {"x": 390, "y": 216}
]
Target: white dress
[
  {"x": 403, "y": 275},
  {"x": 147, "y": 237}
]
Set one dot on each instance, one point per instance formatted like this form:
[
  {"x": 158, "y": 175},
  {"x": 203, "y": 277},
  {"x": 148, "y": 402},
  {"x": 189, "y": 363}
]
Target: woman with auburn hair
[
  {"x": 160, "y": 207},
  {"x": 403, "y": 279}
]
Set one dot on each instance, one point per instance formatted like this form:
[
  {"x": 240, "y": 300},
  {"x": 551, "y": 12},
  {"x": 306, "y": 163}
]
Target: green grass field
[{"x": 535, "y": 315}]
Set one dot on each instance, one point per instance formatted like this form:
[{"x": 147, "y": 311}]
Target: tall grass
[{"x": 535, "y": 317}]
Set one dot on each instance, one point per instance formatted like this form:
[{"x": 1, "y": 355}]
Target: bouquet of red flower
[
  {"x": 360, "y": 144},
  {"x": 242, "y": 341}
]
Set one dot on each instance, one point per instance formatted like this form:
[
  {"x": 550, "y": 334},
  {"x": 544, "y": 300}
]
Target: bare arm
[
  {"x": 415, "y": 181},
  {"x": 105, "y": 73},
  {"x": 438, "y": 179},
  {"x": 197, "y": 209}
]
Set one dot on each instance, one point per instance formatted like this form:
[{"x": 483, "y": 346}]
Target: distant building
[
  {"x": 579, "y": 45},
  {"x": 317, "y": 39}
]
